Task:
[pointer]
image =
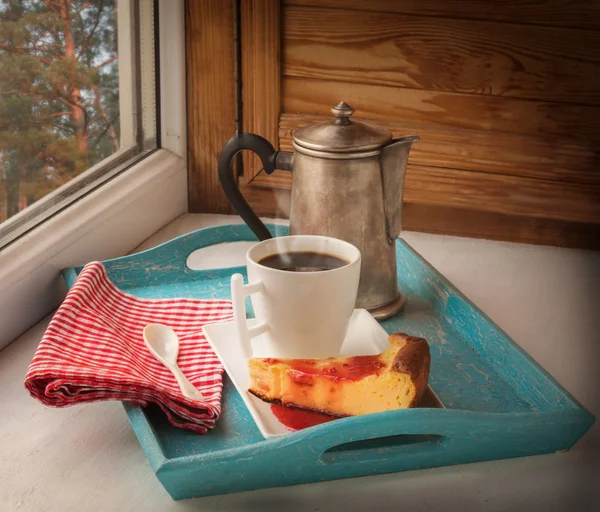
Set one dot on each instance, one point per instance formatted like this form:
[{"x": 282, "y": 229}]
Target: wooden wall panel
[
  {"x": 476, "y": 112},
  {"x": 478, "y": 133},
  {"x": 269, "y": 202},
  {"x": 261, "y": 74},
  {"x": 420, "y": 52},
  {"x": 480, "y": 191},
  {"x": 495, "y": 152},
  {"x": 505, "y": 96},
  {"x": 457, "y": 221},
  {"x": 210, "y": 99},
  {"x": 558, "y": 13}
]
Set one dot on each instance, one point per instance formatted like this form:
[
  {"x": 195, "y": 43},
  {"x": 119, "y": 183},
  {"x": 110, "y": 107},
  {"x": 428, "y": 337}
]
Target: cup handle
[{"x": 239, "y": 292}]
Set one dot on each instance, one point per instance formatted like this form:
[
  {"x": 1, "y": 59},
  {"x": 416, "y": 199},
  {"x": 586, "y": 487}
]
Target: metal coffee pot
[{"x": 348, "y": 179}]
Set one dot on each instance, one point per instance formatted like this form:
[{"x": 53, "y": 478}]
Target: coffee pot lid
[{"x": 342, "y": 135}]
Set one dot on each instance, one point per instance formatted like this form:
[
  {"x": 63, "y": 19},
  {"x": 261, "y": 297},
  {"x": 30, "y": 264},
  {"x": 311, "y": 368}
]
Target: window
[
  {"x": 110, "y": 208},
  {"x": 77, "y": 101}
]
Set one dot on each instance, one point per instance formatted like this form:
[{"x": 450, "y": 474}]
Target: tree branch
[
  {"x": 55, "y": 114},
  {"x": 106, "y": 129},
  {"x": 109, "y": 128},
  {"x": 50, "y": 5},
  {"x": 86, "y": 41},
  {"x": 93, "y": 120},
  {"x": 56, "y": 96},
  {"x": 83, "y": 7},
  {"x": 22, "y": 50},
  {"x": 112, "y": 59}
]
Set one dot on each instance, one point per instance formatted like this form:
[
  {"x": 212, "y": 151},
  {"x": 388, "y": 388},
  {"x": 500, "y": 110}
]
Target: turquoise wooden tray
[{"x": 499, "y": 402}]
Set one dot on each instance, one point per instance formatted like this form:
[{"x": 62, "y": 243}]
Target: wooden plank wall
[
  {"x": 505, "y": 97},
  {"x": 210, "y": 99}
]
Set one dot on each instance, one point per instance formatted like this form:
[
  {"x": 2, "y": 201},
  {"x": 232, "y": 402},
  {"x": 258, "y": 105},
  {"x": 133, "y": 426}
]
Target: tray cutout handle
[
  {"x": 215, "y": 257},
  {"x": 376, "y": 448}
]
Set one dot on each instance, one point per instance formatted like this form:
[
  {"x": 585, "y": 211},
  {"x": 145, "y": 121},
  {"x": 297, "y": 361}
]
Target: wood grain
[
  {"x": 476, "y": 112},
  {"x": 268, "y": 202},
  {"x": 558, "y": 13},
  {"x": 210, "y": 99},
  {"x": 459, "y": 222},
  {"x": 261, "y": 74},
  {"x": 484, "y": 192},
  {"x": 495, "y": 152},
  {"x": 464, "y": 222},
  {"x": 419, "y": 52},
  {"x": 508, "y": 116},
  {"x": 509, "y": 195}
]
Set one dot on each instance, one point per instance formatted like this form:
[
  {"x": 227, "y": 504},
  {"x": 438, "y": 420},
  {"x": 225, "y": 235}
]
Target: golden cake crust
[
  {"x": 346, "y": 386},
  {"x": 414, "y": 359}
]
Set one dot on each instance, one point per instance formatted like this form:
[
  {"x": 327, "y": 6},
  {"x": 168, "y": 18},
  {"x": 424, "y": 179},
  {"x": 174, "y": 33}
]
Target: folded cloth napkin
[{"x": 94, "y": 350}]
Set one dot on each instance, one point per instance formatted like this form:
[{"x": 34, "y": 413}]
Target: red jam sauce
[
  {"x": 353, "y": 368},
  {"x": 297, "y": 419}
]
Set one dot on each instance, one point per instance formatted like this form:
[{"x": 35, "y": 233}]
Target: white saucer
[{"x": 365, "y": 337}]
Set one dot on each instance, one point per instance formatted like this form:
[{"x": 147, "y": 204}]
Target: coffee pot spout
[{"x": 394, "y": 159}]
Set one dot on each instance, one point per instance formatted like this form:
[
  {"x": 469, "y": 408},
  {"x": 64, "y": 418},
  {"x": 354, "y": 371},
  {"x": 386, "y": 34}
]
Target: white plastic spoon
[{"x": 163, "y": 342}]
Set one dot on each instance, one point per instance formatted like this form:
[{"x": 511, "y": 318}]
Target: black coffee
[{"x": 303, "y": 261}]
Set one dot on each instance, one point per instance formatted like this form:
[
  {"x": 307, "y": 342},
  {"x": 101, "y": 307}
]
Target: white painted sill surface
[
  {"x": 87, "y": 458},
  {"x": 108, "y": 222}
]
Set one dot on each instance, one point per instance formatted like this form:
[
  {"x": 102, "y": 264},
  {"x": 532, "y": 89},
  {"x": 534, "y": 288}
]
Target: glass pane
[{"x": 77, "y": 99}]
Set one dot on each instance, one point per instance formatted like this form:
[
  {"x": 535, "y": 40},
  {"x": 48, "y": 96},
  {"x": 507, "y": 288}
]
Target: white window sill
[
  {"x": 108, "y": 222},
  {"x": 87, "y": 457}
]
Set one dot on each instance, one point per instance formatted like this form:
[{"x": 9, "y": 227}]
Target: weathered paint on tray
[{"x": 499, "y": 402}]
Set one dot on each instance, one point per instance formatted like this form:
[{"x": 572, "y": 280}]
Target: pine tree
[{"x": 58, "y": 94}]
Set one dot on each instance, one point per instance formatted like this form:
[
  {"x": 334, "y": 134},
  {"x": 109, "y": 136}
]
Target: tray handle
[
  {"x": 176, "y": 252},
  {"x": 375, "y": 448},
  {"x": 171, "y": 256},
  {"x": 372, "y": 437}
]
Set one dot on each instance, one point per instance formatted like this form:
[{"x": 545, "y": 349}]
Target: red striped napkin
[{"x": 93, "y": 350}]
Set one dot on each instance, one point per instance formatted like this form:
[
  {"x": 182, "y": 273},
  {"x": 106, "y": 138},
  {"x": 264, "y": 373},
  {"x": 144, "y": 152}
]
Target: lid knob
[{"x": 342, "y": 111}]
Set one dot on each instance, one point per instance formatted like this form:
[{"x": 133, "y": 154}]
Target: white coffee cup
[{"x": 301, "y": 314}]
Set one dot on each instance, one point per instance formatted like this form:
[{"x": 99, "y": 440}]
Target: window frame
[
  {"x": 138, "y": 136},
  {"x": 114, "y": 217}
]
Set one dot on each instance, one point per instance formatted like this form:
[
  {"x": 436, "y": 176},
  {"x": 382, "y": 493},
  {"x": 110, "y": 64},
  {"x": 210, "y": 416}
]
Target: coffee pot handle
[{"x": 271, "y": 160}]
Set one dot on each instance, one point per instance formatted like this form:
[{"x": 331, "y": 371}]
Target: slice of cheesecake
[{"x": 347, "y": 386}]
